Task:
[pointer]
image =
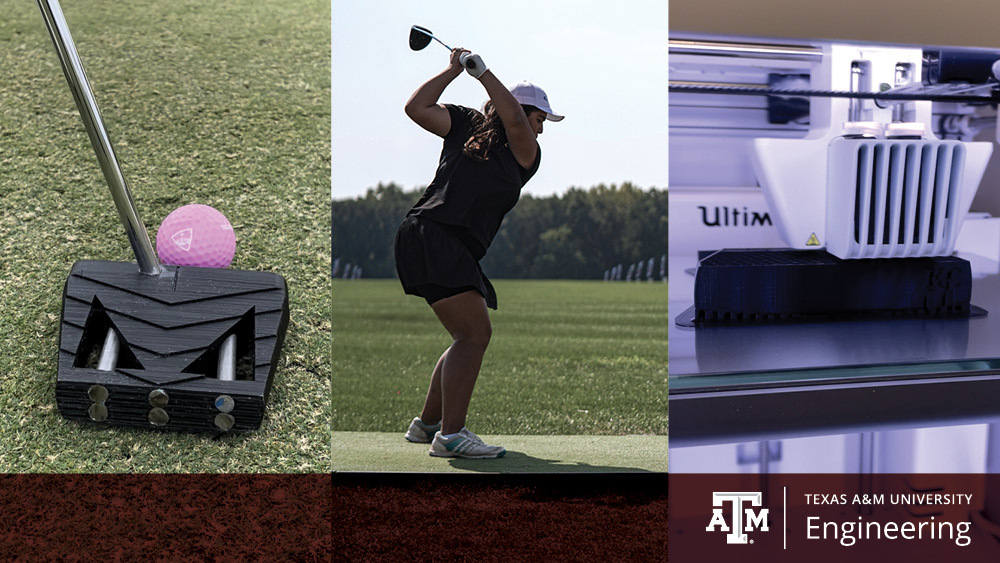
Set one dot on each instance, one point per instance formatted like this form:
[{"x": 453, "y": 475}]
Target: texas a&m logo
[{"x": 744, "y": 519}]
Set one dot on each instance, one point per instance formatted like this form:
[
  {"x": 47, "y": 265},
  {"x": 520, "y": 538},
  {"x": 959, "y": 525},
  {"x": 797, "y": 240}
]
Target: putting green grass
[
  {"x": 379, "y": 451},
  {"x": 221, "y": 103},
  {"x": 567, "y": 358}
]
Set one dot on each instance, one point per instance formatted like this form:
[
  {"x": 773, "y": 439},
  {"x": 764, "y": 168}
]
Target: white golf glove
[{"x": 473, "y": 64}]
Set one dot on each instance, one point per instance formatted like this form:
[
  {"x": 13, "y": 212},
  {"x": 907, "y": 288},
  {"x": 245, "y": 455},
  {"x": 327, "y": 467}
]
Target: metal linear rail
[
  {"x": 681, "y": 87},
  {"x": 744, "y": 50}
]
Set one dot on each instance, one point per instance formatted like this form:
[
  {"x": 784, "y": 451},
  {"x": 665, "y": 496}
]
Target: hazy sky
[{"x": 603, "y": 65}]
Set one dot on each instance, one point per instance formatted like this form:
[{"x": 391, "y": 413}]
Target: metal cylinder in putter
[
  {"x": 91, "y": 114},
  {"x": 158, "y": 398},
  {"x": 224, "y": 421},
  {"x": 98, "y": 412},
  {"x": 227, "y": 359},
  {"x": 109, "y": 352},
  {"x": 225, "y": 403},
  {"x": 98, "y": 393},
  {"x": 158, "y": 417}
]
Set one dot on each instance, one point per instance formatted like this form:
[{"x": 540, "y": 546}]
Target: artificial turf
[
  {"x": 388, "y": 451},
  {"x": 221, "y": 103},
  {"x": 566, "y": 358}
]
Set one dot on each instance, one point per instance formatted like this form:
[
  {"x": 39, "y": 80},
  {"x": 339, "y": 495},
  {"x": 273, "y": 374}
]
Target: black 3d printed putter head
[{"x": 152, "y": 346}]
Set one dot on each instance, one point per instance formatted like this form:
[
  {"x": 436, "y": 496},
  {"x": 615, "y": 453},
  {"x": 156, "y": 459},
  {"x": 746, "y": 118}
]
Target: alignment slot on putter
[
  {"x": 168, "y": 340},
  {"x": 420, "y": 37}
]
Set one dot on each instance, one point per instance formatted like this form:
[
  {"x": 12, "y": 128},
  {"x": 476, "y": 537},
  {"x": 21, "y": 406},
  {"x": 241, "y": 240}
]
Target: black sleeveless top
[{"x": 472, "y": 196}]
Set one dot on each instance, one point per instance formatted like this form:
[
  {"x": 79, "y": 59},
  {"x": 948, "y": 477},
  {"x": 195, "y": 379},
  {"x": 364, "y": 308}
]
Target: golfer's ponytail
[{"x": 488, "y": 132}]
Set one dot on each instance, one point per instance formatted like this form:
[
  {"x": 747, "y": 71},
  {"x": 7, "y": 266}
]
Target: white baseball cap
[{"x": 527, "y": 94}]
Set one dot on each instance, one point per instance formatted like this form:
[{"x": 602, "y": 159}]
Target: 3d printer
[
  {"x": 824, "y": 260},
  {"x": 860, "y": 152}
]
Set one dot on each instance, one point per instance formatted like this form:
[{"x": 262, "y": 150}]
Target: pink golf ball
[{"x": 196, "y": 235}]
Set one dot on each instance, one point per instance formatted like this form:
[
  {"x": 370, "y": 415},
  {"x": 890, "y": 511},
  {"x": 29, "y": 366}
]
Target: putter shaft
[{"x": 72, "y": 67}]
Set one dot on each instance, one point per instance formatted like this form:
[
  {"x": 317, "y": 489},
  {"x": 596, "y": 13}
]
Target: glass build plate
[
  {"x": 768, "y": 381},
  {"x": 785, "y": 351}
]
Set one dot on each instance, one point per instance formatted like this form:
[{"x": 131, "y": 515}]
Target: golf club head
[
  {"x": 170, "y": 331},
  {"x": 420, "y": 37}
]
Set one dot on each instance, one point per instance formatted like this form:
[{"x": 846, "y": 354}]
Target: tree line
[{"x": 579, "y": 234}]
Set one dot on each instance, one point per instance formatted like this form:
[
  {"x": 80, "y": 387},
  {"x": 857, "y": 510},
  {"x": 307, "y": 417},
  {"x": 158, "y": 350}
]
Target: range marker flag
[{"x": 823, "y": 518}]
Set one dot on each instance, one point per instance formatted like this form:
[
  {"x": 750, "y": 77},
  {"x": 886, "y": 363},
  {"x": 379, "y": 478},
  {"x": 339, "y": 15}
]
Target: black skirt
[{"x": 428, "y": 252}]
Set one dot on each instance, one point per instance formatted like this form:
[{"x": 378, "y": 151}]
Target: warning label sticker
[{"x": 813, "y": 240}]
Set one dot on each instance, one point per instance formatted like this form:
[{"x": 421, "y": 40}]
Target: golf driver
[{"x": 420, "y": 37}]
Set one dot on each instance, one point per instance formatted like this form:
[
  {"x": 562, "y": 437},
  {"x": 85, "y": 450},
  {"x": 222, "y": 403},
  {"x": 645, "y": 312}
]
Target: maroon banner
[
  {"x": 165, "y": 517},
  {"x": 834, "y": 517},
  {"x": 500, "y": 517}
]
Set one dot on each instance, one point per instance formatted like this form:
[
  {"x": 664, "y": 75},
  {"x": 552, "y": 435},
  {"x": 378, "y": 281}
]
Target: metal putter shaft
[{"x": 76, "y": 76}]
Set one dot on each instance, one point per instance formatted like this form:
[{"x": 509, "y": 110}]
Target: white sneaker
[
  {"x": 465, "y": 444},
  {"x": 421, "y": 433}
]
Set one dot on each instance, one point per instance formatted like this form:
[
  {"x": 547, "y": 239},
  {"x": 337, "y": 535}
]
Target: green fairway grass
[
  {"x": 221, "y": 103},
  {"x": 566, "y": 358}
]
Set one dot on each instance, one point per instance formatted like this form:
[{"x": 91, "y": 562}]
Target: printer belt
[{"x": 888, "y": 96}]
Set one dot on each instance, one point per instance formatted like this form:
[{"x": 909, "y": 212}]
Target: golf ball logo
[
  {"x": 196, "y": 235},
  {"x": 183, "y": 239}
]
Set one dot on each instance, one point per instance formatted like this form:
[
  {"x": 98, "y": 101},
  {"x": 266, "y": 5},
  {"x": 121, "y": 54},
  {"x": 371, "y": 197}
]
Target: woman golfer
[{"x": 487, "y": 157}]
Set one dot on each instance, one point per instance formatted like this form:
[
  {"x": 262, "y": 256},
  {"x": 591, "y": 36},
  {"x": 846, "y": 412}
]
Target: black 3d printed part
[
  {"x": 170, "y": 330},
  {"x": 739, "y": 286}
]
